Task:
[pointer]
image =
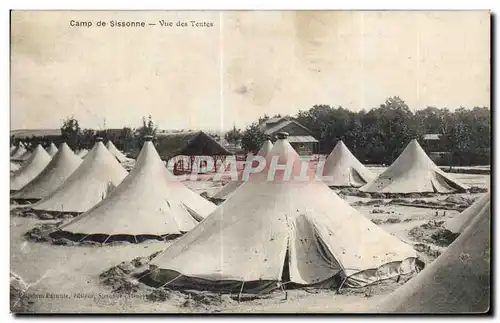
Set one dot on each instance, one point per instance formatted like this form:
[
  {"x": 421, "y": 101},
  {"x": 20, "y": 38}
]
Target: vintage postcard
[{"x": 250, "y": 162}]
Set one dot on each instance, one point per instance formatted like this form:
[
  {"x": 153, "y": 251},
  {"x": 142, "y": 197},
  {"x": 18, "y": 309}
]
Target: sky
[{"x": 243, "y": 65}]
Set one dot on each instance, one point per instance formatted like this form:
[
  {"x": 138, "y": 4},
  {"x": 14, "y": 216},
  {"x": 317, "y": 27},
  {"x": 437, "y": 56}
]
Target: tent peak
[{"x": 97, "y": 139}]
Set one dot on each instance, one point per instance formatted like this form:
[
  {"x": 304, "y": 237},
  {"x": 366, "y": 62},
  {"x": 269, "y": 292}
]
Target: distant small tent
[
  {"x": 413, "y": 172},
  {"x": 459, "y": 223},
  {"x": 147, "y": 204},
  {"x": 14, "y": 167},
  {"x": 82, "y": 153},
  {"x": 91, "y": 182},
  {"x": 115, "y": 152},
  {"x": 270, "y": 233},
  {"x": 230, "y": 187},
  {"x": 62, "y": 165},
  {"x": 344, "y": 169},
  {"x": 19, "y": 151},
  {"x": 25, "y": 156},
  {"x": 34, "y": 165},
  {"x": 52, "y": 150},
  {"x": 457, "y": 282}
]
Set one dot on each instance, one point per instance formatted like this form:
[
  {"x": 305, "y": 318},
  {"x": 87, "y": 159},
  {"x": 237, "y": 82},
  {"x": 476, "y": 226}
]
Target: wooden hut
[{"x": 191, "y": 144}]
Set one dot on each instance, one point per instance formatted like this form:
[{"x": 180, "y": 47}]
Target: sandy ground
[{"x": 66, "y": 279}]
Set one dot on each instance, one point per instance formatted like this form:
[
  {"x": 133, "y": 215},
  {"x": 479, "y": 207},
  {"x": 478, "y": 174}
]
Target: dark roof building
[
  {"x": 192, "y": 143},
  {"x": 299, "y": 137}
]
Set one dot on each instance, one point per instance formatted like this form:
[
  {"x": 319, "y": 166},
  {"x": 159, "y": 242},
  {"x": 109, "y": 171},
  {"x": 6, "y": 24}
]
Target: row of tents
[
  {"x": 412, "y": 172},
  {"x": 19, "y": 153},
  {"x": 265, "y": 235}
]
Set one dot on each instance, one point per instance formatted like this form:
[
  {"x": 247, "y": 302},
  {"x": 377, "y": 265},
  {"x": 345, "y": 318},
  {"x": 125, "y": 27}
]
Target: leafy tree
[
  {"x": 148, "y": 128},
  {"x": 87, "y": 139},
  {"x": 252, "y": 138},
  {"x": 126, "y": 139},
  {"x": 70, "y": 132},
  {"x": 233, "y": 136}
]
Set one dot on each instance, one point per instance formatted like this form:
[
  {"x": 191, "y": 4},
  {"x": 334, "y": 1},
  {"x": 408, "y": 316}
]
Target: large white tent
[
  {"x": 461, "y": 221},
  {"x": 271, "y": 231},
  {"x": 146, "y": 203},
  {"x": 344, "y": 169},
  {"x": 115, "y": 152},
  {"x": 457, "y": 282},
  {"x": 62, "y": 165},
  {"x": 90, "y": 183},
  {"x": 230, "y": 187},
  {"x": 38, "y": 160},
  {"x": 52, "y": 150},
  {"x": 413, "y": 172}
]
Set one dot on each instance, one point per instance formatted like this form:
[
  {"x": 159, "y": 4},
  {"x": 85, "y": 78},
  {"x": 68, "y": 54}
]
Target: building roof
[
  {"x": 432, "y": 136},
  {"x": 272, "y": 130},
  {"x": 295, "y": 139},
  {"x": 192, "y": 143}
]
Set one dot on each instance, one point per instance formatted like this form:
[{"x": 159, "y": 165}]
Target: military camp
[{"x": 251, "y": 162}]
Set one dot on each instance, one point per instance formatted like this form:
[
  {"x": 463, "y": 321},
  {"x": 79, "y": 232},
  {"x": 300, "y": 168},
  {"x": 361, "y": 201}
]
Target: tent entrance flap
[
  {"x": 310, "y": 260},
  {"x": 442, "y": 184},
  {"x": 356, "y": 179}
]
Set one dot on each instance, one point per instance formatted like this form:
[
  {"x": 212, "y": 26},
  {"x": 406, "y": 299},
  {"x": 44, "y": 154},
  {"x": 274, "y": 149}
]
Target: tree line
[
  {"x": 376, "y": 136},
  {"x": 126, "y": 139},
  {"x": 379, "y": 135}
]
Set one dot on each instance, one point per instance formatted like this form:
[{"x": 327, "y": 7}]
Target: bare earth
[{"x": 65, "y": 279}]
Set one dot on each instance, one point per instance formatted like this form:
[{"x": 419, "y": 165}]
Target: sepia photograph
[{"x": 250, "y": 162}]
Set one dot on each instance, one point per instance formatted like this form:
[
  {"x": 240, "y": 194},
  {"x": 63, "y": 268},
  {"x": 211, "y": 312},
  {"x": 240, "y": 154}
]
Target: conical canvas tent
[
  {"x": 62, "y": 165},
  {"x": 270, "y": 231},
  {"x": 230, "y": 187},
  {"x": 52, "y": 150},
  {"x": 20, "y": 150},
  {"x": 145, "y": 204},
  {"x": 413, "y": 172},
  {"x": 115, "y": 152},
  {"x": 464, "y": 219},
  {"x": 458, "y": 281},
  {"x": 82, "y": 153},
  {"x": 25, "y": 156},
  {"x": 344, "y": 169},
  {"x": 33, "y": 166},
  {"x": 90, "y": 183}
]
